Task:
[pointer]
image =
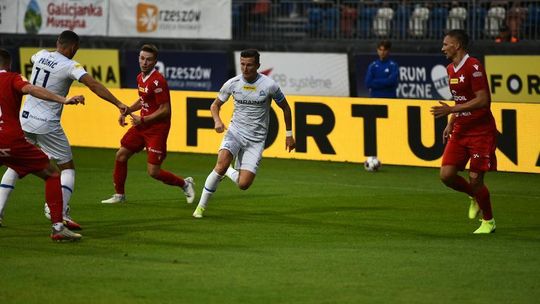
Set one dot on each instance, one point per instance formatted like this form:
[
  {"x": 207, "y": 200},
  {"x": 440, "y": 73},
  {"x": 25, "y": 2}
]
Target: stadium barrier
[{"x": 399, "y": 132}]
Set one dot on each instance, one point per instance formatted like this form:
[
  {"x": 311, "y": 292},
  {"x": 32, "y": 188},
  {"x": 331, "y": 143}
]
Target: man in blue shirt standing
[{"x": 382, "y": 74}]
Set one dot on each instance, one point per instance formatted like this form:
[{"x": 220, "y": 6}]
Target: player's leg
[
  {"x": 224, "y": 160},
  {"x": 483, "y": 160},
  {"x": 247, "y": 162},
  {"x": 9, "y": 179},
  {"x": 131, "y": 143},
  {"x": 156, "y": 149},
  {"x": 53, "y": 197}
]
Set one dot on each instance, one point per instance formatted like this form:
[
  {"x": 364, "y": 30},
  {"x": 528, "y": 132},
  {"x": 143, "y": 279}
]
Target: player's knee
[
  {"x": 153, "y": 173},
  {"x": 446, "y": 177},
  {"x": 244, "y": 185}
]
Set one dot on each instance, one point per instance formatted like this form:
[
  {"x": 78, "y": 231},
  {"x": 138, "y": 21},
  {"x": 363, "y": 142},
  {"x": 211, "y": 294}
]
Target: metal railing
[{"x": 289, "y": 20}]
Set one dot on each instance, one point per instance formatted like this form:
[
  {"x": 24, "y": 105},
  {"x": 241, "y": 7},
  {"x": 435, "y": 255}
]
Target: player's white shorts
[
  {"x": 55, "y": 144},
  {"x": 248, "y": 153}
]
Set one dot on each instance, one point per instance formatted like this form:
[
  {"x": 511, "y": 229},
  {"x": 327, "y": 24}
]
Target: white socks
[
  {"x": 67, "y": 179},
  {"x": 6, "y": 186},
  {"x": 232, "y": 174},
  {"x": 210, "y": 186}
]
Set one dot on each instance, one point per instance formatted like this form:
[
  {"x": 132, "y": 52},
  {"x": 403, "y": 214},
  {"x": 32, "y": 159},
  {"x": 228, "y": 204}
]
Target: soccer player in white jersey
[
  {"x": 252, "y": 93},
  {"x": 40, "y": 119}
]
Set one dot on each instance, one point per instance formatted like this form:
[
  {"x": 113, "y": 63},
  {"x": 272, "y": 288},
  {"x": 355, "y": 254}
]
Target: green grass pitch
[{"x": 306, "y": 232}]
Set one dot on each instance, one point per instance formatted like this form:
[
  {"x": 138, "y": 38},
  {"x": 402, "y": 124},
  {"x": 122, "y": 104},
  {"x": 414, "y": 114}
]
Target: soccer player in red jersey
[
  {"x": 471, "y": 133},
  {"x": 150, "y": 130},
  {"x": 23, "y": 157}
]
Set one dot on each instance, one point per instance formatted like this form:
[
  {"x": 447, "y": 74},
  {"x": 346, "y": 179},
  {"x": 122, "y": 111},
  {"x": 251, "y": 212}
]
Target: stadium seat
[
  {"x": 456, "y": 18},
  {"x": 382, "y": 23},
  {"x": 418, "y": 22},
  {"x": 315, "y": 21},
  {"x": 494, "y": 21},
  {"x": 437, "y": 22},
  {"x": 365, "y": 19}
]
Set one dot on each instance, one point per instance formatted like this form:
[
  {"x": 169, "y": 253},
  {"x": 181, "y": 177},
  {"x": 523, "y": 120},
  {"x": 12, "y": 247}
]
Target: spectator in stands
[
  {"x": 382, "y": 74},
  {"x": 504, "y": 36},
  {"x": 514, "y": 18}
]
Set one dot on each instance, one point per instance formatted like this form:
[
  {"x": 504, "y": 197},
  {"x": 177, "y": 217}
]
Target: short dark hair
[
  {"x": 385, "y": 44},
  {"x": 251, "y": 53},
  {"x": 68, "y": 38},
  {"x": 5, "y": 58},
  {"x": 150, "y": 48},
  {"x": 461, "y": 36}
]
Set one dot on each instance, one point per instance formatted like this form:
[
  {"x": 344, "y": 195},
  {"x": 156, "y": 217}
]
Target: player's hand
[
  {"x": 219, "y": 126},
  {"x": 122, "y": 120},
  {"x": 446, "y": 133},
  {"x": 135, "y": 119},
  {"x": 290, "y": 144},
  {"x": 79, "y": 99},
  {"x": 124, "y": 110},
  {"x": 442, "y": 110}
]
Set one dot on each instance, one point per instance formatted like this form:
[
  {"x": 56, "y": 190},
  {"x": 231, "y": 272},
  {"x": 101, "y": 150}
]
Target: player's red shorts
[
  {"x": 23, "y": 157},
  {"x": 154, "y": 139},
  {"x": 480, "y": 149}
]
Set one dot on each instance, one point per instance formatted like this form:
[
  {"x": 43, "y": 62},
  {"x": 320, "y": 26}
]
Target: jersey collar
[
  {"x": 461, "y": 63},
  {"x": 144, "y": 78},
  {"x": 255, "y": 80}
]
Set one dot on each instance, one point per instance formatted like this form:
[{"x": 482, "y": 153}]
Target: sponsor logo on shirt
[
  {"x": 454, "y": 81},
  {"x": 477, "y": 74},
  {"x": 249, "y": 87},
  {"x": 463, "y": 114},
  {"x": 158, "y": 90},
  {"x": 249, "y": 101}
]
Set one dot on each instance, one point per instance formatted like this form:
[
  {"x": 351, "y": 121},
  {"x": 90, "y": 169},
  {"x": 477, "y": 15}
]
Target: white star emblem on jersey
[
  {"x": 146, "y": 89},
  {"x": 475, "y": 66},
  {"x": 461, "y": 78}
]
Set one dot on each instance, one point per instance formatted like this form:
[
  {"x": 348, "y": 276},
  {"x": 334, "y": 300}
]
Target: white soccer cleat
[
  {"x": 198, "y": 213},
  {"x": 64, "y": 235},
  {"x": 115, "y": 199},
  {"x": 189, "y": 190}
]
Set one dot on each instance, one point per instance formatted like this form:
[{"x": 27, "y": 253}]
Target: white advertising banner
[
  {"x": 85, "y": 17},
  {"x": 8, "y": 9},
  {"x": 314, "y": 74},
  {"x": 195, "y": 19}
]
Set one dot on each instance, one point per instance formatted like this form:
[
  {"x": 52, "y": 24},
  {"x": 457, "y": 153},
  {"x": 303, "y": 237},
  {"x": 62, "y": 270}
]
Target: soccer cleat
[
  {"x": 474, "y": 208},
  {"x": 189, "y": 190},
  {"x": 116, "y": 198},
  {"x": 64, "y": 235},
  {"x": 198, "y": 213},
  {"x": 71, "y": 224},
  {"x": 487, "y": 226}
]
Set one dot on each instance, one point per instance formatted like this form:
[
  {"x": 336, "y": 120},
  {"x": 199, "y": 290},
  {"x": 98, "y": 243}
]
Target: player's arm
[
  {"x": 45, "y": 94},
  {"x": 481, "y": 100},
  {"x": 290, "y": 143},
  {"x": 161, "y": 113},
  {"x": 215, "y": 108},
  {"x": 101, "y": 91}
]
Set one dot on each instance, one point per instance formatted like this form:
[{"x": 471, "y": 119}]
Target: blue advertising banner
[
  {"x": 421, "y": 76},
  {"x": 189, "y": 71}
]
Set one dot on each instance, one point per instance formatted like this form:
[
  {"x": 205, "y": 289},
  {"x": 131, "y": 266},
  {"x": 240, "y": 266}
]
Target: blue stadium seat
[
  {"x": 315, "y": 21},
  {"x": 437, "y": 22},
  {"x": 331, "y": 19},
  {"x": 365, "y": 20},
  {"x": 403, "y": 13},
  {"x": 477, "y": 18}
]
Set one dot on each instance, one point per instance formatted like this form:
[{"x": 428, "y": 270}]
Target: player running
[
  {"x": 252, "y": 93},
  {"x": 470, "y": 133},
  {"x": 21, "y": 156},
  {"x": 150, "y": 130}
]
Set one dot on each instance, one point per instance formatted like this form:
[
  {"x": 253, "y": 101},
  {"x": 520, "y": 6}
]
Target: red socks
[
  {"x": 170, "y": 179},
  {"x": 53, "y": 197},
  {"x": 120, "y": 176},
  {"x": 461, "y": 185},
  {"x": 484, "y": 201}
]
